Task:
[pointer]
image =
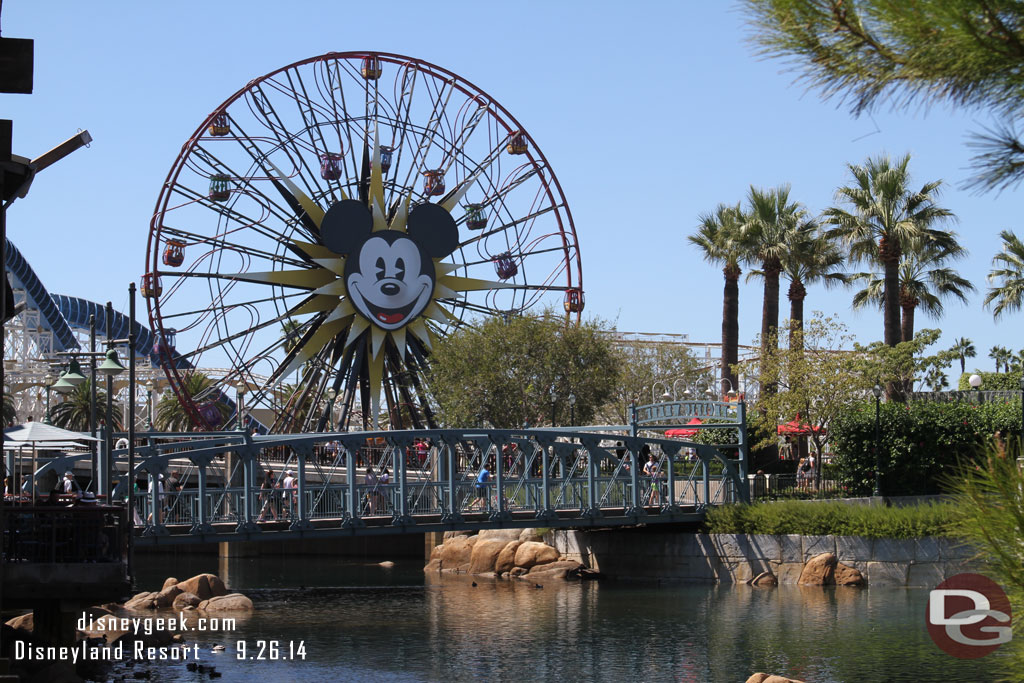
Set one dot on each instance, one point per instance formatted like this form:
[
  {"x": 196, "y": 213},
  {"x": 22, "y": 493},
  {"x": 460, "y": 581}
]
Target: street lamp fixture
[
  {"x": 974, "y": 381},
  {"x": 572, "y": 409},
  {"x": 553, "y": 396},
  {"x": 74, "y": 375},
  {"x": 877, "y": 391},
  {"x": 332, "y": 394},
  {"x": 111, "y": 366},
  {"x": 149, "y": 412}
]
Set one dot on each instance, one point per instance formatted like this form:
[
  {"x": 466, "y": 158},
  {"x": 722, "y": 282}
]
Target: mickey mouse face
[{"x": 389, "y": 274}]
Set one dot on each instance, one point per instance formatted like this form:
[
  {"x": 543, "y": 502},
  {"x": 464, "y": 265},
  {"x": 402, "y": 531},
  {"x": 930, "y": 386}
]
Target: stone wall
[{"x": 739, "y": 558}]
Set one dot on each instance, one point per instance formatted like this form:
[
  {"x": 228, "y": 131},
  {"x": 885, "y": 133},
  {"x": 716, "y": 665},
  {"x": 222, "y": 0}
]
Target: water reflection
[{"x": 361, "y": 621}]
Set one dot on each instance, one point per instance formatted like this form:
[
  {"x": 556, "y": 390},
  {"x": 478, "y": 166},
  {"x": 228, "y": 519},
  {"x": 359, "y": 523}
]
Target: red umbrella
[
  {"x": 798, "y": 428},
  {"x": 685, "y": 433}
]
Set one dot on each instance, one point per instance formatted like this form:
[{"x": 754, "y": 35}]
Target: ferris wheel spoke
[
  {"x": 506, "y": 226},
  {"x": 419, "y": 160},
  {"x": 215, "y": 242},
  {"x": 228, "y": 212},
  {"x": 281, "y": 297}
]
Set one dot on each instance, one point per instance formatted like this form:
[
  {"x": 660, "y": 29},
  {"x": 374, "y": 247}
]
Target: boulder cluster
[
  {"x": 506, "y": 553},
  {"x": 203, "y": 592}
]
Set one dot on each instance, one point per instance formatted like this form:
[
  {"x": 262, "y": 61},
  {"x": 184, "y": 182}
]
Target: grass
[{"x": 817, "y": 519}]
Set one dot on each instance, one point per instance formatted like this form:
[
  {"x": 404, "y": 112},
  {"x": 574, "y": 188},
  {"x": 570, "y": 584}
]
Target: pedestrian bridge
[{"x": 568, "y": 478}]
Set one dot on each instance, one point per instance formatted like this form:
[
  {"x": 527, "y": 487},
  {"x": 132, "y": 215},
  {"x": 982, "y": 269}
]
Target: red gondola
[
  {"x": 433, "y": 183},
  {"x": 149, "y": 286},
  {"x": 174, "y": 254},
  {"x": 330, "y": 165},
  {"x": 574, "y": 301},
  {"x": 505, "y": 266},
  {"x": 517, "y": 143}
]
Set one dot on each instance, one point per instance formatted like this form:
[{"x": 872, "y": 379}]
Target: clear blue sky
[{"x": 649, "y": 112}]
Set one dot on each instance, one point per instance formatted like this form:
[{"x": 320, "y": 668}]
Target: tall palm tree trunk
[
  {"x": 889, "y": 255},
  {"x": 730, "y": 325},
  {"x": 770, "y": 313},
  {"x": 907, "y": 306},
  {"x": 797, "y": 294}
]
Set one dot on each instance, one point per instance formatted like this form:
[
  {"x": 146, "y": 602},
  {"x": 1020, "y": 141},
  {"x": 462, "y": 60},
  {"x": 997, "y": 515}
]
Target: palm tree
[
  {"x": 10, "y": 414},
  {"x": 719, "y": 238},
  {"x": 964, "y": 349},
  {"x": 771, "y": 217},
  {"x": 1001, "y": 356},
  {"x": 73, "y": 412},
  {"x": 924, "y": 281},
  {"x": 811, "y": 258},
  {"x": 171, "y": 415},
  {"x": 886, "y": 216},
  {"x": 1009, "y": 294}
]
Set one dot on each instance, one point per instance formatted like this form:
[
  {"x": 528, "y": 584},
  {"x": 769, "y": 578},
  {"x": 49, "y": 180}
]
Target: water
[{"x": 359, "y": 621}]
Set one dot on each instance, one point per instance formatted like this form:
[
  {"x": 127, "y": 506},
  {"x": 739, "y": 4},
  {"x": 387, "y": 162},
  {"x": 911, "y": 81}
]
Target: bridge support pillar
[
  {"x": 203, "y": 525},
  {"x": 431, "y": 539}
]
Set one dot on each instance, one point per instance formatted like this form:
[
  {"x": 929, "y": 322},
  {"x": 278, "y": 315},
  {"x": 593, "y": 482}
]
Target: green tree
[
  {"x": 863, "y": 52},
  {"x": 171, "y": 415},
  {"x": 1001, "y": 356},
  {"x": 935, "y": 379},
  {"x": 886, "y": 216},
  {"x": 811, "y": 258},
  {"x": 502, "y": 373},
  {"x": 770, "y": 219},
  {"x": 817, "y": 379},
  {"x": 964, "y": 349},
  {"x": 641, "y": 367},
  {"x": 73, "y": 412},
  {"x": 719, "y": 238},
  {"x": 924, "y": 281},
  {"x": 1006, "y": 279},
  {"x": 902, "y": 365}
]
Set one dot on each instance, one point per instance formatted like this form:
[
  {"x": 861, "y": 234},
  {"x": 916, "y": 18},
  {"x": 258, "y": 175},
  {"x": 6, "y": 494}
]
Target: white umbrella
[{"x": 35, "y": 433}]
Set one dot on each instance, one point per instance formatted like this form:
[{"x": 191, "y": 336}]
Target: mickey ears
[
  {"x": 345, "y": 225},
  {"x": 434, "y": 229},
  {"x": 348, "y": 223}
]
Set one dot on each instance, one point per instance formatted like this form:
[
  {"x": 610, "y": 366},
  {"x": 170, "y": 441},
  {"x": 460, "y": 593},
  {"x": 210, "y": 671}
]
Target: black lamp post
[
  {"x": 552, "y": 394},
  {"x": 877, "y": 391},
  {"x": 572, "y": 409}
]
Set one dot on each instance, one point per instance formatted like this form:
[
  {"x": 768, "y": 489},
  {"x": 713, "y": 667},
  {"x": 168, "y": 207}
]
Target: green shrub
[
  {"x": 921, "y": 442},
  {"x": 992, "y": 381},
  {"x": 841, "y": 519}
]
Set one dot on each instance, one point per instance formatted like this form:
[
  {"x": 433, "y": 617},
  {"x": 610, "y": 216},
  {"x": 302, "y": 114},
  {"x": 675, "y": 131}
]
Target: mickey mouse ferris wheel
[{"x": 330, "y": 222}]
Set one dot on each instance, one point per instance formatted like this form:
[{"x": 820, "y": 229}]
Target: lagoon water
[{"x": 361, "y": 622}]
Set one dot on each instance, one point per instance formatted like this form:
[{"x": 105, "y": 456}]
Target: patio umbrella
[
  {"x": 798, "y": 428},
  {"x": 685, "y": 433},
  {"x": 36, "y": 433}
]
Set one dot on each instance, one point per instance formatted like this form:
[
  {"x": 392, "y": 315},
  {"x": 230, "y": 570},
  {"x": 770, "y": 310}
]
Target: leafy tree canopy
[
  {"x": 862, "y": 52},
  {"x": 501, "y": 373}
]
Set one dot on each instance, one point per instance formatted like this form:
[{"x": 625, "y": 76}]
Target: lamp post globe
[{"x": 974, "y": 381}]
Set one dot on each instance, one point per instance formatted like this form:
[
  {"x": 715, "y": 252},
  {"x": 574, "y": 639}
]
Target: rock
[
  {"x": 435, "y": 552},
  {"x": 165, "y": 598},
  {"x": 819, "y": 570},
  {"x": 530, "y": 534},
  {"x": 184, "y": 600},
  {"x": 766, "y": 678},
  {"x": 217, "y": 587},
  {"x": 204, "y": 585},
  {"x": 141, "y": 601},
  {"x": 532, "y": 553},
  {"x": 387, "y": 564},
  {"x": 433, "y": 566},
  {"x": 455, "y": 534},
  {"x": 499, "y": 535},
  {"x": 765, "y": 579},
  {"x": 456, "y": 552},
  {"x": 516, "y": 572},
  {"x": 168, "y": 583},
  {"x": 554, "y": 570},
  {"x": 757, "y": 678},
  {"x": 848, "y": 576},
  {"x": 507, "y": 557},
  {"x": 233, "y": 602},
  {"x": 24, "y": 623},
  {"x": 484, "y": 554},
  {"x": 197, "y": 585}
]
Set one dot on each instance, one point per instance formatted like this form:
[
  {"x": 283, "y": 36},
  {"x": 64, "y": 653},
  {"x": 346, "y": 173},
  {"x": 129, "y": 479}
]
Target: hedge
[
  {"x": 922, "y": 442},
  {"x": 841, "y": 519}
]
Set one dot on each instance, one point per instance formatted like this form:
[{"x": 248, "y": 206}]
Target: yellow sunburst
[{"x": 330, "y": 298}]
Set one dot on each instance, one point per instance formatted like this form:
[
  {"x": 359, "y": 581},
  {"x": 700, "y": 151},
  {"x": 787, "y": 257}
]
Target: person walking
[
  {"x": 267, "y": 496},
  {"x": 483, "y": 479},
  {"x": 288, "y": 492}
]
